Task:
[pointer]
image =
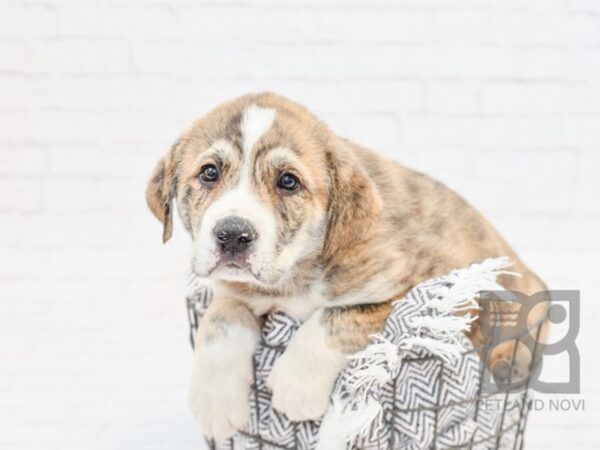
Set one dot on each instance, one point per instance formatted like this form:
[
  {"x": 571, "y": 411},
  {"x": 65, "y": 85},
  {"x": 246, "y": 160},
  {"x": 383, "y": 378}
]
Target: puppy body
[{"x": 357, "y": 232}]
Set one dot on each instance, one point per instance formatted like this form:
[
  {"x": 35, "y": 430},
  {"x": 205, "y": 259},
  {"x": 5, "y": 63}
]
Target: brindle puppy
[{"x": 286, "y": 215}]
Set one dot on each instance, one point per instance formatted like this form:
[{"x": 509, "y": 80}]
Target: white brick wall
[{"x": 500, "y": 99}]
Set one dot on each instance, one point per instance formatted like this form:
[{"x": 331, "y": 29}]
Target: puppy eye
[
  {"x": 209, "y": 174},
  {"x": 288, "y": 182}
]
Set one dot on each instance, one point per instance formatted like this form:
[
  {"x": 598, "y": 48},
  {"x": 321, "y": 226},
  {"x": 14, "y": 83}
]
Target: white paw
[
  {"x": 220, "y": 400},
  {"x": 303, "y": 377},
  {"x": 299, "y": 391},
  {"x": 220, "y": 389}
]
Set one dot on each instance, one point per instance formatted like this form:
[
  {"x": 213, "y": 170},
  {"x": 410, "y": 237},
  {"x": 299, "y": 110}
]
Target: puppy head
[{"x": 262, "y": 186}]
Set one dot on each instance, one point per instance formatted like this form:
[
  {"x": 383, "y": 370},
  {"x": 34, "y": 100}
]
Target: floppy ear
[
  {"x": 354, "y": 203},
  {"x": 160, "y": 192}
]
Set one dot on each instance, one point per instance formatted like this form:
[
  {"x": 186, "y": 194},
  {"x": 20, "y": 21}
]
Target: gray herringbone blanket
[{"x": 414, "y": 387}]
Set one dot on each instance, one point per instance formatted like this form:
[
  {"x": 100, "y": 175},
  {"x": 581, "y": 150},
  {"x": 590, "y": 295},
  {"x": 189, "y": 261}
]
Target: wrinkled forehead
[
  {"x": 254, "y": 133},
  {"x": 250, "y": 133}
]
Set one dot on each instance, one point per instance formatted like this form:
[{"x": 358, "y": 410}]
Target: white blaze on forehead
[
  {"x": 256, "y": 121},
  {"x": 242, "y": 201}
]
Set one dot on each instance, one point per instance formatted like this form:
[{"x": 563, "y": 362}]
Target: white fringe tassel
[
  {"x": 342, "y": 425},
  {"x": 444, "y": 327},
  {"x": 437, "y": 331},
  {"x": 445, "y": 350}
]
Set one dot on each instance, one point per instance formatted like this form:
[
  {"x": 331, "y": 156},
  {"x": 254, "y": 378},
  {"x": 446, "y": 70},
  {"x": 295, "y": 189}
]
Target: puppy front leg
[
  {"x": 222, "y": 371},
  {"x": 302, "y": 379}
]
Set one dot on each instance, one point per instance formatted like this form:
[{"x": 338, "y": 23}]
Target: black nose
[{"x": 234, "y": 234}]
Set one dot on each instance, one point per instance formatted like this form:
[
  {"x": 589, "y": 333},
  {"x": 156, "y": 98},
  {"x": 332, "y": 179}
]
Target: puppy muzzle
[{"x": 234, "y": 237}]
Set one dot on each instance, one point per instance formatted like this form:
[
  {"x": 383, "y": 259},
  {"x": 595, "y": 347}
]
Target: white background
[{"x": 499, "y": 99}]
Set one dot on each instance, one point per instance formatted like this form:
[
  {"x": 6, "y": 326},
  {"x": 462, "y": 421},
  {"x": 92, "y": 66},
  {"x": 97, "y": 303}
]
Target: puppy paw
[
  {"x": 302, "y": 385},
  {"x": 298, "y": 391},
  {"x": 220, "y": 403},
  {"x": 219, "y": 394}
]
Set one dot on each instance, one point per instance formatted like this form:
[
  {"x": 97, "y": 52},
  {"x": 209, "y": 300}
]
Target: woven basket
[{"x": 453, "y": 408}]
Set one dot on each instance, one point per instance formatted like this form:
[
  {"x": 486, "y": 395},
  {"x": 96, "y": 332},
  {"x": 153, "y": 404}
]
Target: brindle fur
[{"x": 387, "y": 227}]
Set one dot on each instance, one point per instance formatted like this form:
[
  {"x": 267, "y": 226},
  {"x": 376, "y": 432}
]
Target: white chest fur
[{"x": 299, "y": 306}]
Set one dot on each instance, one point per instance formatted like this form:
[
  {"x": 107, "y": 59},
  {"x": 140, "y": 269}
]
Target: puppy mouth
[
  {"x": 233, "y": 264},
  {"x": 237, "y": 267},
  {"x": 232, "y": 261}
]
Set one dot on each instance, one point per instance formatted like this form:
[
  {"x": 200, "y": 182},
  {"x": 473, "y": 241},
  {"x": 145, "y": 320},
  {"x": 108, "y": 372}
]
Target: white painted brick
[
  {"x": 463, "y": 25},
  {"x": 25, "y": 263},
  {"x": 587, "y": 184},
  {"x": 93, "y": 55},
  {"x": 70, "y": 195},
  {"x": 234, "y": 23},
  {"x": 359, "y": 97},
  {"x": 525, "y": 168},
  {"x": 131, "y": 20},
  {"x": 80, "y": 160},
  {"x": 326, "y": 97},
  {"x": 586, "y": 61},
  {"x": 47, "y": 433},
  {"x": 580, "y": 99},
  {"x": 528, "y": 233},
  {"x": 12, "y": 90},
  {"x": 534, "y": 132},
  {"x": 80, "y": 19},
  {"x": 485, "y": 132},
  {"x": 174, "y": 56},
  {"x": 149, "y": 232},
  {"x": 531, "y": 5},
  {"x": 11, "y": 221},
  {"x": 455, "y": 60},
  {"x": 395, "y": 25},
  {"x": 145, "y": 92},
  {"x": 595, "y": 98},
  {"x": 123, "y": 161},
  {"x": 122, "y": 196},
  {"x": 12, "y": 127},
  {"x": 20, "y": 194},
  {"x": 323, "y": 61},
  {"x": 488, "y": 61},
  {"x": 373, "y": 131},
  {"x": 539, "y": 97},
  {"x": 27, "y": 19},
  {"x": 543, "y": 62},
  {"x": 586, "y": 26},
  {"x": 281, "y": 25},
  {"x": 582, "y": 130},
  {"x": 14, "y": 55},
  {"x": 81, "y": 92},
  {"x": 447, "y": 164},
  {"x": 29, "y": 160},
  {"x": 61, "y": 230},
  {"x": 576, "y": 233},
  {"x": 20, "y": 294},
  {"x": 65, "y": 126},
  {"x": 515, "y": 199},
  {"x": 156, "y": 126},
  {"x": 452, "y": 97},
  {"x": 19, "y": 92},
  {"x": 544, "y": 28},
  {"x": 475, "y": 131},
  {"x": 585, "y": 6}
]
